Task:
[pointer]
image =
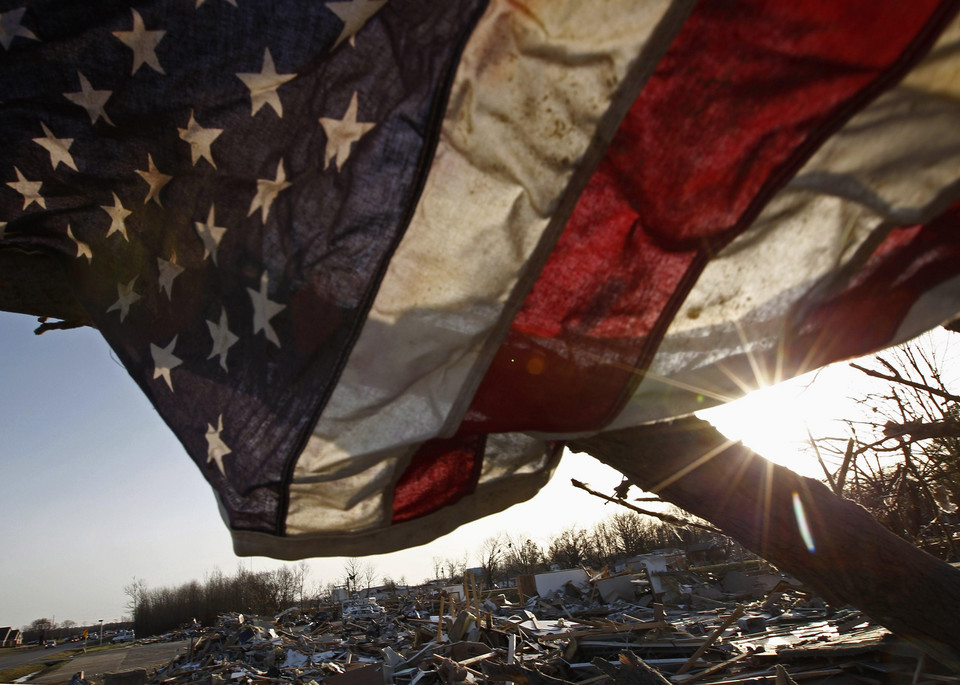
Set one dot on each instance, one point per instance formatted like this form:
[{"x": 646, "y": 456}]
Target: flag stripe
[
  {"x": 741, "y": 99},
  {"x": 893, "y": 125},
  {"x": 440, "y": 473},
  {"x": 495, "y": 187},
  {"x": 867, "y": 313},
  {"x": 514, "y": 467},
  {"x": 897, "y": 163}
]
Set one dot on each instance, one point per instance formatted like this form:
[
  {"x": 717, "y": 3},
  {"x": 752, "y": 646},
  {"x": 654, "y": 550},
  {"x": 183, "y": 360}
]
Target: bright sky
[{"x": 97, "y": 491}]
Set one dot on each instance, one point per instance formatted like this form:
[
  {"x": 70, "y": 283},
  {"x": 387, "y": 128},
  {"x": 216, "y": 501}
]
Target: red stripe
[
  {"x": 744, "y": 96},
  {"x": 440, "y": 473},
  {"x": 865, "y": 313}
]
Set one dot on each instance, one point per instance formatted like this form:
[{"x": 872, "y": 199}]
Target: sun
[{"x": 777, "y": 421}]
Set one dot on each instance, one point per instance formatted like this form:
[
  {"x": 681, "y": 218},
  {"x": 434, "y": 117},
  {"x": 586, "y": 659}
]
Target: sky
[{"x": 96, "y": 491}]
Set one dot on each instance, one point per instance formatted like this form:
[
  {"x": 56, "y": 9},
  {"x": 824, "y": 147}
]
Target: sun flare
[{"x": 777, "y": 421}]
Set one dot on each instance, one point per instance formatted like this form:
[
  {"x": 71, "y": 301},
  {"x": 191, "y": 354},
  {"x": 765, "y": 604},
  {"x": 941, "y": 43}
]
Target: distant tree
[
  {"x": 523, "y": 556},
  {"x": 136, "y": 593},
  {"x": 490, "y": 555},
  {"x": 285, "y": 586},
  {"x": 603, "y": 546},
  {"x": 40, "y": 624},
  {"x": 570, "y": 548},
  {"x": 301, "y": 572},
  {"x": 352, "y": 574},
  {"x": 455, "y": 568},
  {"x": 368, "y": 575},
  {"x": 631, "y": 533},
  {"x": 437, "y": 568}
]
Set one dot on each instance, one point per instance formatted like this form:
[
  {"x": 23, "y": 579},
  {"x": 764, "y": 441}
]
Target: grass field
[{"x": 8, "y": 675}]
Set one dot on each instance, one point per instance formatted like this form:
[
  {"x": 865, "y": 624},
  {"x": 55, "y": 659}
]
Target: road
[{"x": 95, "y": 664}]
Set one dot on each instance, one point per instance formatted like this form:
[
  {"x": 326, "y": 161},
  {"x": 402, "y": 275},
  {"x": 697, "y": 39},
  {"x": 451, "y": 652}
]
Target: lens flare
[{"x": 802, "y": 524}]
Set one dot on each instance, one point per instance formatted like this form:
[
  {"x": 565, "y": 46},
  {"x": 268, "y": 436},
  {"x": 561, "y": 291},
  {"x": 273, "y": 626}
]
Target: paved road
[{"x": 95, "y": 664}]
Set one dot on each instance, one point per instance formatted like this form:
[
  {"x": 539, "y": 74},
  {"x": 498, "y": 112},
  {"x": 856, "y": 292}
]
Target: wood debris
[{"x": 759, "y": 631}]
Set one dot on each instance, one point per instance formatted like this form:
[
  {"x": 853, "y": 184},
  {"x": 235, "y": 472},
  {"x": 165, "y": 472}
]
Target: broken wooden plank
[{"x": 737, "y": 613}]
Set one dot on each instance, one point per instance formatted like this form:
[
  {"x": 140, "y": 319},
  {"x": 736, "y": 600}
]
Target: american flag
[{"x": 371, "y": 261}]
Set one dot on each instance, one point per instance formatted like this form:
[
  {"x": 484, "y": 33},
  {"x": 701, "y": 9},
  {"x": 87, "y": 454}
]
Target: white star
[
  {"x": 223, "y": 339},
  {"x": 126, "y": 298},
  {"x": 143, "y": 43},
  {"x": 264, "y": 309},
  {"x": 267, "y": 192},
  {"x": 342, "y": 133},
  {"x": 200, "y": 140},
  {"x": 210, "y": 234},
  {"x": 216, "y": 448},
  {"x": 155, "y": 179},
  {"x": 10, "y": 27},
  {"x": 83, "y": 250},
  {"x": 263, "y": 86},
  {"x": 59, "y": 148},
  {"x": 354, "y": 14},
  {"x": 29, "y": 189},
  {"x": 165, "y": 361},
  {"x": 117, "y": 215},
  {"x": 91, "y": 100},
  {"x": 168, "y": 272}
]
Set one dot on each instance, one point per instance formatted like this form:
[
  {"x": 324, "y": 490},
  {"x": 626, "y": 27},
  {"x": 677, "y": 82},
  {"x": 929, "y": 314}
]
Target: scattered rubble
[{"x": 577, "y": 628}]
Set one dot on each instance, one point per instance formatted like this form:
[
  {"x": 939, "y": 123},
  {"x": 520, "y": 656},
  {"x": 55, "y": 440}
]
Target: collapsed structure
[{"x": 738, "y": 628}]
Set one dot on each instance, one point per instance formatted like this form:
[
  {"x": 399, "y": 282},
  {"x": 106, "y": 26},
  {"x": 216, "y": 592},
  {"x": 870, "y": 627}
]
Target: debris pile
[{"x": 577, "y": 629}]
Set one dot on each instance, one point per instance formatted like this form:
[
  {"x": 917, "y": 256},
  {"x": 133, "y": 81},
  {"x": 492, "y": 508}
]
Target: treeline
[
  {"x": 47, "y": 629},
  {"x": 501, "y": 559},
  {"x": 160, "y": 610},
  {"x": 622, "y": 535}
]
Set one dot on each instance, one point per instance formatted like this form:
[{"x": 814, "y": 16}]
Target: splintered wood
[{"x": 427, "y": 637}]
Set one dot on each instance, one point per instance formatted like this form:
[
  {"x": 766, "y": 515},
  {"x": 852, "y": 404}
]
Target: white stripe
[
  {"x": 535, "y": 83},
  {"x": 888, "y": 165},
  {"x": 514, "y": 469}
]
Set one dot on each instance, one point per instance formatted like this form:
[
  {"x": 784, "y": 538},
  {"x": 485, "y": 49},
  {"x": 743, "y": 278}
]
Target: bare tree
[
  {"x": 490, "y": 555},
  {"x": 523, "y": 556},
  {"x": 301, "y": 573},
  {"x": 570, "y": 548},
  {"x": 901, "y": 461},
  {"x": 368, "y": 575},
  {"x": 352, "y": 574},
  {"x": 285, "y": 585},
  {"x": 437, "y": 568},
  {"x": 456, "y": 568},
  {"x": 136, "y": 592}
]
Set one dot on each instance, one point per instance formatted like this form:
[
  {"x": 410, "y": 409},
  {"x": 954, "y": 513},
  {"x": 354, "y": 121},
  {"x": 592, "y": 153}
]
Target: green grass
[
  {"x": 56, "y": 660},
  {"x": 95, "y": 648},
  {"x": 8, "y": 675}
]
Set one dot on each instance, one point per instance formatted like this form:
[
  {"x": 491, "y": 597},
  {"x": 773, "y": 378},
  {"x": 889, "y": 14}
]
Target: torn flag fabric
[{"x": 373, "y": 261}]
